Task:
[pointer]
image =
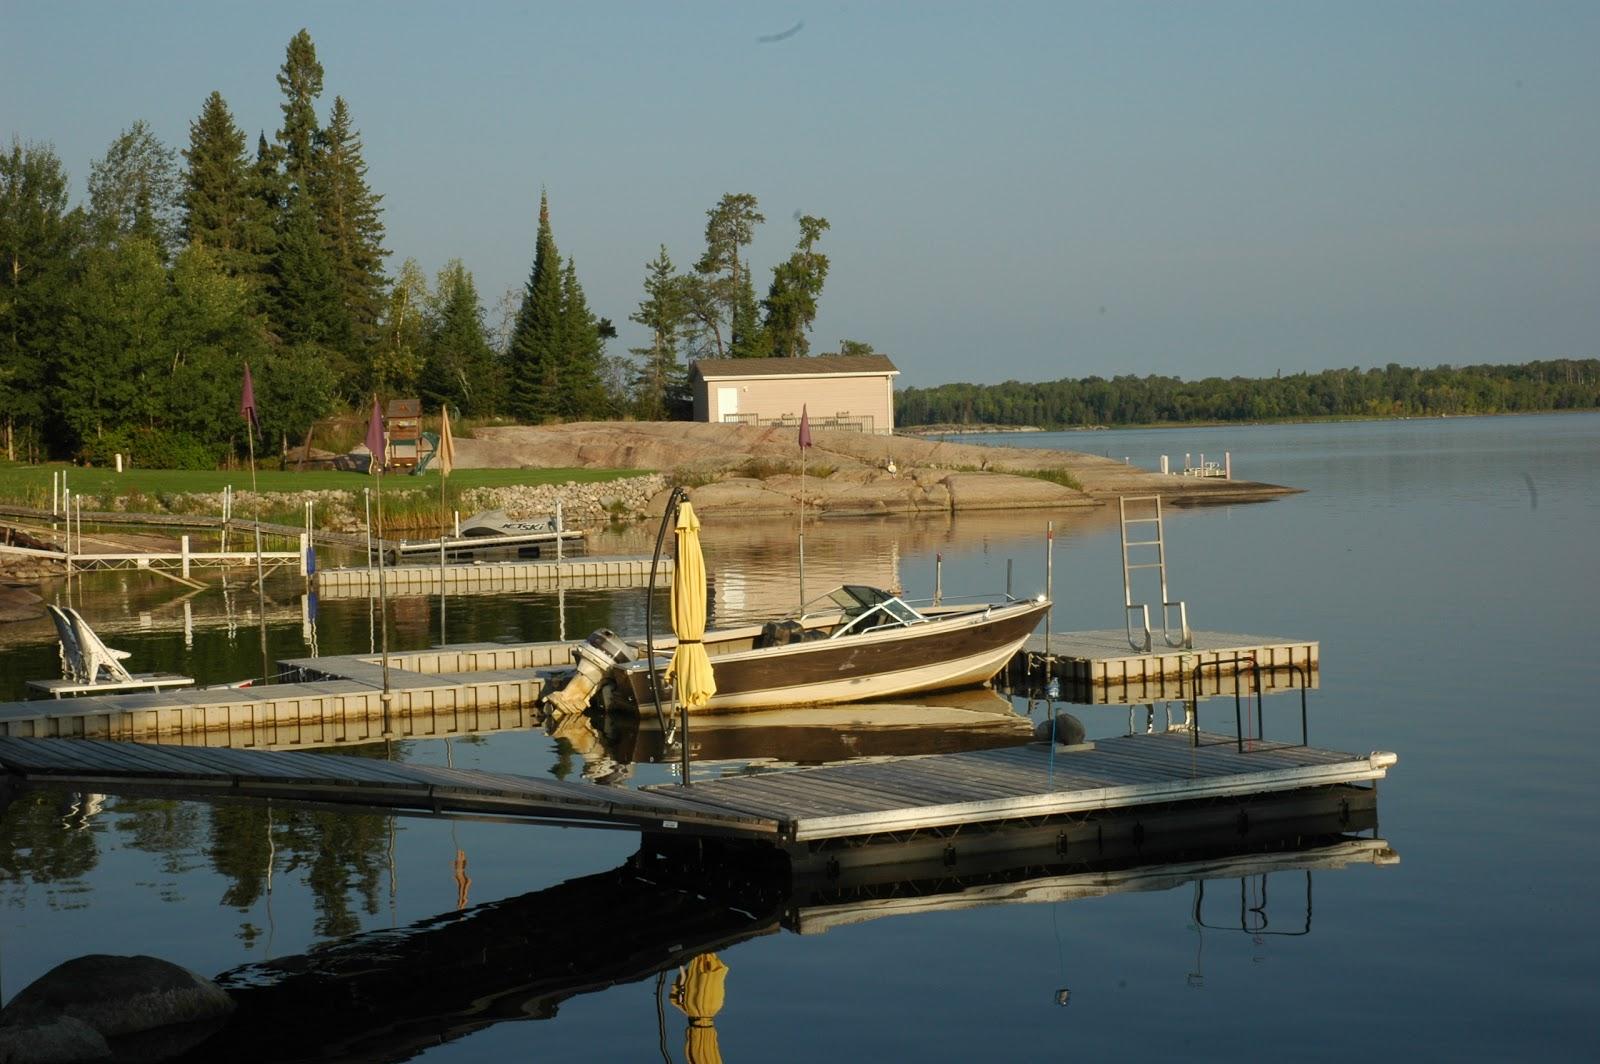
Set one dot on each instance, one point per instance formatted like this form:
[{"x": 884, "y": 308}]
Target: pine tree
[
  {"x": 300, "y": 79},
  {"x": 350, "y": 220},
  {"x": 534, "y": 355},
  {"x": 459, "y": 367},
  {"x": 748, "y": 338},
  {"x": 134, "y": 191},
  {"x": 222, "y": 212},
  {"x": 791, "y": 302},
  {"x": 583, "y": 394},
  {"x": 658, "y": 380},
  {"x": 730, "y": 227},
  {"x": 306, "y": 308}
]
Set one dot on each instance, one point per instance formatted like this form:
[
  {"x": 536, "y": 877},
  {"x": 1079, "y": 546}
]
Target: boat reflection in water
[
  {"x": 974, "y": 719},
  {"x": 677, "y": 909}
]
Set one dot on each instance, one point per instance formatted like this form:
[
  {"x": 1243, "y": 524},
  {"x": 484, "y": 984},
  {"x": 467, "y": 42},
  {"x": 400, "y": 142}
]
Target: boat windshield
[{"x": 867, "y": 609}]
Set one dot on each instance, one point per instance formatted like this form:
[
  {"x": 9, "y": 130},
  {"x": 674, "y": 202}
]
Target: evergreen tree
[
  {"x": 534, "y": 354},
  {"x": 222, "y": 212},
  {"x": 659, "y": 384},
  {"x": 749, "y": 339},
  {"x": 134, "y": 191},
  {"x": 459, "y": 368},
  {"x": 350, "y": 221},
  {"x": 306, "y": 308},
  {"x": 791, "y": 302},
  {"x": 582, "y": 389},
  {"x": 300, "y": 80},
  {"x": 730, "y": 227},
  {"x": 38, "y": 237}
]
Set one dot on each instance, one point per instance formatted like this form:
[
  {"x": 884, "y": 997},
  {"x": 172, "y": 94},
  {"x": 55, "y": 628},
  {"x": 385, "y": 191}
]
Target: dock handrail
[{"x": 1237, "y": 661}]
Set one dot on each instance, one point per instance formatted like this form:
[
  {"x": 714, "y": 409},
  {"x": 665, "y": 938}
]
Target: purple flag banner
[
  {"x": 375, "y": 439},
  {"x": 805, "y": 428},
  {"x": 247, "y": 402}
]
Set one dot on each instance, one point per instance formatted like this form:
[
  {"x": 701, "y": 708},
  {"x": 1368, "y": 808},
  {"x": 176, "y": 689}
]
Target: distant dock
[{"x": 571, "y": 574}]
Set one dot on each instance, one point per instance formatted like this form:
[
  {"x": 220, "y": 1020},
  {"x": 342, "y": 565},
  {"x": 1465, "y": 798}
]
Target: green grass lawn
[{"x": 29, "y": 485}]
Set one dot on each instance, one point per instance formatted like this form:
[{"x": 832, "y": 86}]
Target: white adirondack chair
[{"x": 84, "y": 658}]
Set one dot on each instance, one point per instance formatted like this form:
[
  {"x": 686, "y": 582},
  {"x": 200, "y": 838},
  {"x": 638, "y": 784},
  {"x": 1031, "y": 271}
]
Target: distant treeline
[{"x": 1394, "y": 391}]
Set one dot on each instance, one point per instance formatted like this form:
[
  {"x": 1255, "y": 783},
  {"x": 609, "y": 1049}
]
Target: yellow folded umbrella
[{"x": 690, "y": 664}]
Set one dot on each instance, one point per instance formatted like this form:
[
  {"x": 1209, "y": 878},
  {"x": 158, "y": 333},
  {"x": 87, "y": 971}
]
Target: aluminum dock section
[
  {"x": 933, "y": 793},
  {"x": 572, "y": 574},
  {"x": 331, "y": 700},
  {"x": 1103, "y": 667}
]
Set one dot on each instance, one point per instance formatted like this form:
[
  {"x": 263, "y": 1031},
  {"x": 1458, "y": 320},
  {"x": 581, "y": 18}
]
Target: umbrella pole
[{"x": 649, "y": 605}]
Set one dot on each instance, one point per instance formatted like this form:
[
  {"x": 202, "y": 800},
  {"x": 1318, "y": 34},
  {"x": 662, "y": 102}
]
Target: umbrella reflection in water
[{"x": 698, "y": 994}]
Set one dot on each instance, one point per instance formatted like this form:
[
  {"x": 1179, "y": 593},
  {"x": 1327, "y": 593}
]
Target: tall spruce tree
[
  {"x": 134, "y": 191},
  {"x": 534, "y": 356},
  {"x": 749, "y": 338},
  {"x": 351, "y": 223},
  {"x": 397, "y": 354},
  {"x": 300, "y": 80},
  {"x": 791, "y": 302},
  {"x": 582, "y": 389},
  {"x": 306, "y": 308},
  {"x": 658, "y": 377},
  {"x": 221, "y": 211},
  {"x": 459, "y": 368}
]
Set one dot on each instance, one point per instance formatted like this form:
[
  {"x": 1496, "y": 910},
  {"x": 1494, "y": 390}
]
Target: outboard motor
[{"x": 596, "y": 655}]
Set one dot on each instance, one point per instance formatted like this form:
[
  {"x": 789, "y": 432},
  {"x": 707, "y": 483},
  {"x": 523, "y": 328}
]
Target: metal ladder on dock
[{"x": 1185, "y": 637}]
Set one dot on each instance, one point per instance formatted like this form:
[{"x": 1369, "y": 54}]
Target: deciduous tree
[{"x": 134, "y": 191}]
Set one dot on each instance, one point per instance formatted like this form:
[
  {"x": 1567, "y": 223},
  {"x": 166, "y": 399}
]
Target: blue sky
[{"x": 1017, "y": 191}]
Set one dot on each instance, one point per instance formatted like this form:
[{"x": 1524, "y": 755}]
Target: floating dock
[
  {"x": 1103, "y": 668},
  {"x": 329, "y": 700},
  {"x": 571, "y": 574},
  {"x": 934, "y": 795}
]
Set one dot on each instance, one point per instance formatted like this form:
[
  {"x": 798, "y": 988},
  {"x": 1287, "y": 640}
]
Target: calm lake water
[{"x": 1447, "y": 566}]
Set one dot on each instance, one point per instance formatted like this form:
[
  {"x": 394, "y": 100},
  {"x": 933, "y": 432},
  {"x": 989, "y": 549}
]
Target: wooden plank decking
[
  {"x": 940, "y": 791},
  {"x": 360, "y": 781},
  {"x": 853, "y": 800}
]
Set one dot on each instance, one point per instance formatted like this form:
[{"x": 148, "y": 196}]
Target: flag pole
[
  {"x": 247, "y": 407},
  {"x": 377, "y": 447}
]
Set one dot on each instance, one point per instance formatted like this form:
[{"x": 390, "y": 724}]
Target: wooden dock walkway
[
  {"x": 571, "y": 574},
  {"x": 1102, "y": 668},
  {"x": 934, "y": 793}
]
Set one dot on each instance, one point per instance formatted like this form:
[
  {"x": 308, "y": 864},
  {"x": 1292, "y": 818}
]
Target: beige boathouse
[{"x": 836, "y": 391}]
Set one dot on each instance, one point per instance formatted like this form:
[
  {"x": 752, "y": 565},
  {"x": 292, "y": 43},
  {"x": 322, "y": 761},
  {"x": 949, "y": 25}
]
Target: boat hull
[{"x": 946, "y": 653}]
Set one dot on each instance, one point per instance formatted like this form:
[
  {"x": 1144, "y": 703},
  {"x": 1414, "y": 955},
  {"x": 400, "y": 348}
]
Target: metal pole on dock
[
  {"x": 938, "y": 578},
  {"x": 441, "y": 586},
  {"x": 1008, "y": 579},
  {"x": 1049, "y": 588},
  {"x": 66, "y": 505}
]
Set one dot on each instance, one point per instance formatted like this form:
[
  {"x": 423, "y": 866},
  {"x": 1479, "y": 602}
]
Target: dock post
[
  {"x": 560, "y": 530},
  {"x": 1164, "y": 465},
  {"x": 66, "y": 501},
  {"x": 55, "y": 492},
  {"x": 938, "y": 578},
  {"x": 1227, "y": 465},
  {"x": 1008, "y": 579},
  {"x": 183, "y": 554},
  {"x": 305, "y": 545}
]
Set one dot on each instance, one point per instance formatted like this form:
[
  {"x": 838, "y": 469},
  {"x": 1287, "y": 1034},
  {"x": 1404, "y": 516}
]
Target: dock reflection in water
[{"x": 678, "y": 915}]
